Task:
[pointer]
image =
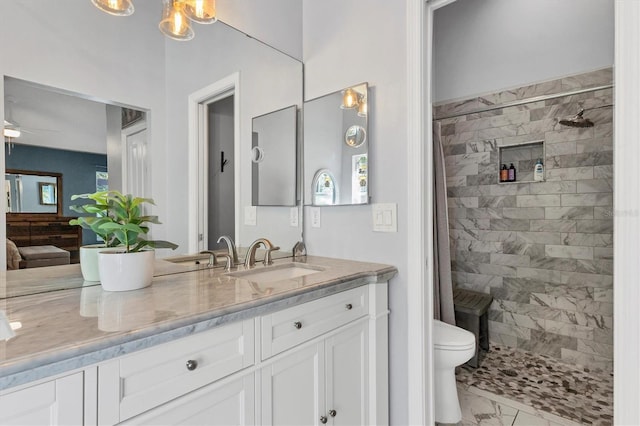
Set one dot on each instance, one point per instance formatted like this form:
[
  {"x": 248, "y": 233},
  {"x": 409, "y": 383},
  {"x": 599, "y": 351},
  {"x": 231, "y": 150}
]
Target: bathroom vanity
[{"x": 301, "y": 342}]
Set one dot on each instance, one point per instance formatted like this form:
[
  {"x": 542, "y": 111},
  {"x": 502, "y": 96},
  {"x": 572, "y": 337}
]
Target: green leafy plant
[{"x": 118, "y": 220}]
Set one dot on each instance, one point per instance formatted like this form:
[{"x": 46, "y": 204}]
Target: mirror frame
[{"x": 58, "y": 204}]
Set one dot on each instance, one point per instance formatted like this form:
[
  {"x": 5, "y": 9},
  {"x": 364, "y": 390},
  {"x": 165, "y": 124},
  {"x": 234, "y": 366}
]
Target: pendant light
[
  {"x": 362, "y": 107},
  {"x": 115, "y": 7},
  {"x": 349, "y": 99},
  {"x": 175, "y": 23},
  {"x": 201, "y": 11}
]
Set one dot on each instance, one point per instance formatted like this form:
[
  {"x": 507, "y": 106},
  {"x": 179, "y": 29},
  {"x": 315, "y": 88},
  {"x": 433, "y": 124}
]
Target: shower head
[{"x": 577, "y": 120}]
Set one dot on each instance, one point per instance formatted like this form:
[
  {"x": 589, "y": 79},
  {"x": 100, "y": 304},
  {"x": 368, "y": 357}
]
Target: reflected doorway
[{"x": 221, "y": 193}]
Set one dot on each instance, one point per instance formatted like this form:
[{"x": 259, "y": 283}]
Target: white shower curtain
[{"x": 442, "y": 285}]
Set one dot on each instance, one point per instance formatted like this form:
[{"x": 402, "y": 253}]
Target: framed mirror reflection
[{"x": 336, "y": 148}]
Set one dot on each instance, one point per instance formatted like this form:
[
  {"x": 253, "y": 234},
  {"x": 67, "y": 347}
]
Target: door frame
[
  {"x": 420, "y": 209},
  {"x": 198, "y": 154},
  {"x": 626, "y": 212}
]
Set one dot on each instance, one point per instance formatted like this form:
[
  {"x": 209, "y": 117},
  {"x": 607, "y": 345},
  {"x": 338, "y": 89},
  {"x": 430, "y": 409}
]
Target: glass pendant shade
[
  {"x": 349, "y": 99},
  {"x": 201, "y": 11},
  {"x": 115, "y": 7},
  {"x": 362, "y": 107},
  {"x": 175, "y": 23}
]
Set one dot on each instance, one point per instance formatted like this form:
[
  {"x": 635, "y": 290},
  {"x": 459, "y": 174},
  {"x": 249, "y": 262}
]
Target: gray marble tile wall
[{"x": 544, "y": 250}]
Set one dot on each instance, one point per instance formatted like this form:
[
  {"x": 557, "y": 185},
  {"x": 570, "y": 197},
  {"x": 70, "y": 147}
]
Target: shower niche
[{"x": 524, "y": 157}]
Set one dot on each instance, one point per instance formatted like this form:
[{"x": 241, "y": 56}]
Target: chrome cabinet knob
[
  {"x": 323, "y": 419},
  {"x": 349, "y": 306},
  {"x": 192, "y": 364},
  {"x": 333, "y": 413},
  {"x": 297, "y": 325}
]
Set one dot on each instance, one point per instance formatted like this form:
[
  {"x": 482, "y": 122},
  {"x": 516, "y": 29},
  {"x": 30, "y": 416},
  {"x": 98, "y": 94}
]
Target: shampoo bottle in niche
[
  {"x": 504, "y": 173},
  {"x": 538, "y": 171},
  {"x": 512, "y": 173}
]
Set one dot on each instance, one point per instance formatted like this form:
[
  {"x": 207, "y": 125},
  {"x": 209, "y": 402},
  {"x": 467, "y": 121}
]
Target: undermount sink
[{"x": 269, "y": 274}]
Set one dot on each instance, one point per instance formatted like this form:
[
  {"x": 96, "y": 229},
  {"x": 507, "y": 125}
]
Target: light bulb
[
  {"x": 201, "y": 11},
  {"x": 349, "y": 99},
  {"x": 175, "y": 23}
]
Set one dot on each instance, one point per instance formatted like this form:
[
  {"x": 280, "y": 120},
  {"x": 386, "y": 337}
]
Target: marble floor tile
[{"x": 538, "y": 385}]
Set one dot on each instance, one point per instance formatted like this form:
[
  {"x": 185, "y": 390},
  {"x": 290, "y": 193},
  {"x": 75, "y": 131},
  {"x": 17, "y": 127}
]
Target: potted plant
[
  {"x": 99, "y": 210},
  {"x": 128, "y": 265}
]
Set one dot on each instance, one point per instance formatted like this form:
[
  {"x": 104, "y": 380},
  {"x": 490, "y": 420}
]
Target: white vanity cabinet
[
  {"x": 55, "y": 402},
  {"x": 324, "y": 383},
  {"x": 319, "y": 362},
  {"x": 144, "y": 380}
]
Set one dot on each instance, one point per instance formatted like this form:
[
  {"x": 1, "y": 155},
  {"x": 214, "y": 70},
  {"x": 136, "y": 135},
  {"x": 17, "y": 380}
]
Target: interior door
[
  {"x": 221, "y": 182},
  {"x": 135, "y": 161}
]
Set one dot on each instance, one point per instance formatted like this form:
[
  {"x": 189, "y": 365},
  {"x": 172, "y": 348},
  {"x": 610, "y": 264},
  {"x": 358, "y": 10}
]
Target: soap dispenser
[
  {"x": 538, "y": 171},
  {"x": 512, "y": 173}
]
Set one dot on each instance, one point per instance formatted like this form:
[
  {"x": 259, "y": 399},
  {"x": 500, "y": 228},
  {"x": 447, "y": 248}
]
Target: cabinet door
[
  {"x": 347, "y": 376},
  {"x": 293, "y": 388},
  {"x": 58, "y": 402},
  {"x": 229, "y": 403}
]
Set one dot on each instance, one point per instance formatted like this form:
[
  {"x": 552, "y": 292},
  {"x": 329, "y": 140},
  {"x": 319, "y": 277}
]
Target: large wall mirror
[
  {"x": 336, "y": 148},
  {"x": 86, "y": 95}
]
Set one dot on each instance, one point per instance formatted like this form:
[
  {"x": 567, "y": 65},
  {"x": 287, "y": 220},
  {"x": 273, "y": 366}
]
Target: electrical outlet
[
  {"x": 314, "y": 212},
  {"x": 293, "y": 217},
  {"x": 250, "y": 215}
]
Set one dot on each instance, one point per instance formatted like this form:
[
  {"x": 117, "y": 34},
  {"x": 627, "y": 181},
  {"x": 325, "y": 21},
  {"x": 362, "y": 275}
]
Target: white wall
[
  {"x": 346, "y": 42},
  {"x": 485, "y": 45},
  {"x": 276, "y": 22}
]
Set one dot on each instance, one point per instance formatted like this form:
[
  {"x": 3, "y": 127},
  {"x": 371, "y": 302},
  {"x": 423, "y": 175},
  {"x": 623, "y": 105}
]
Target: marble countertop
[{"x": 71, "y": 328}]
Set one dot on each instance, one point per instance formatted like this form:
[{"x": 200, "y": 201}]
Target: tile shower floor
[{"x": 513, "y": 387}]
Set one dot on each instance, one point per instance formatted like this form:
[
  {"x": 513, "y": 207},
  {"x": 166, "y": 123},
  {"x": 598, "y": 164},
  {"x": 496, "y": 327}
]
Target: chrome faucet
[
  {"x": 231, "y": 249},
  {"x": 250, "y": 260},
  {"x": 213, "y": 260}
]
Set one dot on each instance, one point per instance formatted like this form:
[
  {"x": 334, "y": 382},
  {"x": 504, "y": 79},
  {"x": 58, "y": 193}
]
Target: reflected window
[{"x": 325, "y": 189}]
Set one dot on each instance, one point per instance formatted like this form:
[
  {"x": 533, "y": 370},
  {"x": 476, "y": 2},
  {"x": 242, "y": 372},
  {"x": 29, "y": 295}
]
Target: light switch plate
[
  {"x": 314, "y": 212},
  {"x": 385, "y": 217},
  {"x": 250, "y": 215},
  {"x": 293, "y": 217}
]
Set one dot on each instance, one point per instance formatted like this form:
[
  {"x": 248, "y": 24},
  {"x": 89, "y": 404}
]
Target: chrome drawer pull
[
  {"x": 349, "y": 306},
  {"x": 192, "y": 364},
  {"x": 297, "y": 325},
  {"x": 333, "y": 413},
  {"x": 323, "y": 419}
]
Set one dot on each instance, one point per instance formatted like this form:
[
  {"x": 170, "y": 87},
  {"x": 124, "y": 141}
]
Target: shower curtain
[{"x": 442, "y": 285}]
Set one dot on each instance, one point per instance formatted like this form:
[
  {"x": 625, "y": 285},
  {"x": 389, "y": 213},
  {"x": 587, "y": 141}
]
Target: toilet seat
[{"x": 450, "y": 338}]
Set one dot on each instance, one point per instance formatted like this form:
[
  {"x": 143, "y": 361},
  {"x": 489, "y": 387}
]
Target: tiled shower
[{"x": 544, "y": 250}]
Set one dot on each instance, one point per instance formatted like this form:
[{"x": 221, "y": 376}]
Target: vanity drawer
[
  {"x": 290, "y": 327},
  {"x": 144, "y": 380}
]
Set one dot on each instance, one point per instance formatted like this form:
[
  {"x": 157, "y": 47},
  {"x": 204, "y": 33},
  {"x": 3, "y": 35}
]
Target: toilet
[{"x": 452, "y": 346}]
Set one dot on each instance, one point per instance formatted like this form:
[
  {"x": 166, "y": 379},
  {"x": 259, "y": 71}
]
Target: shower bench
[{"x": 471, "y": 309}]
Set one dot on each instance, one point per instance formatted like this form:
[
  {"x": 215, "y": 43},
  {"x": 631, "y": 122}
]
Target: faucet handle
[
  {"x": 213, "y": 260},
  {"x": 228, "y": 261},
  {"x": 299, "y": 249},
  {"x": 268, "y": 260}
]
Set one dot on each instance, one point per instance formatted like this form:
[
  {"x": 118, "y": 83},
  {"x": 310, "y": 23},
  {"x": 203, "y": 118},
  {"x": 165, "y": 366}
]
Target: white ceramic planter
[
  {"x": 121, "y": 271},
  {"x": 89, "y": 261}
]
